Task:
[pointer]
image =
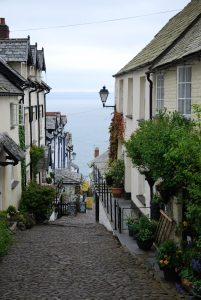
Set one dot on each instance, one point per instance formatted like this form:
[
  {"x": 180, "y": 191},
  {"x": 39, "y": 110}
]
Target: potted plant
[
  {"x": 169, "y": 257},
  {"x": 146, "y": 232},
  {"x": 132, "y": 223},
  {"x": 116, "y": 171}
]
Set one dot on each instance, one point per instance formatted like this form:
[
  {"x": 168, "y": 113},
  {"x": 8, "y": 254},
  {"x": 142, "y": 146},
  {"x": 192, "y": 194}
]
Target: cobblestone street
[{"x": 74, "y": 258}]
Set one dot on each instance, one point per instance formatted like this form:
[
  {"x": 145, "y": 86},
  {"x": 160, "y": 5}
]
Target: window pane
[
  {"x": 182, "y": 90},
  {"x": 188, "y": 90},
  {"x": 188, "y": 74},
  {"x": 181, "y": 106},
  {"x": 188, "y": 107}
]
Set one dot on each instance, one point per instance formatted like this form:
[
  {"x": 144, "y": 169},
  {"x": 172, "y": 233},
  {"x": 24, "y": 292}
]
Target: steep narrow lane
[{"x": 74, "y": 258}]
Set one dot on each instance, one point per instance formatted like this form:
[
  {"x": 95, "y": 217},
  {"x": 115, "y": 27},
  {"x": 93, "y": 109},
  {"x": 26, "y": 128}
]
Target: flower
[{"x": 169, "y": 255}]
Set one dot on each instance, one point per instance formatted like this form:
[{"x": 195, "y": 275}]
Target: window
[
  {"x": 142, "y": 98},
  {"x": 130, "y": 97},
  {"x": 13, "y": 115},
  {"x": 159, "y": 92},
  {"x": 16, "y": 114},
  {"x": 184, "y": 89}
]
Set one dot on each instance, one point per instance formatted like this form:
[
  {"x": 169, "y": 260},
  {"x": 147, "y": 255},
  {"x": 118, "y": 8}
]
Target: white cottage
[{"x": 165, "y": 74}]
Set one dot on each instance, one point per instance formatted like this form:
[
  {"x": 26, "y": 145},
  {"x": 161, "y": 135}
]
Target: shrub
[
  {"x": 5, "y": 238},
  {"x": 37, "y": 200},
  {"x": 11, "y": 210}
]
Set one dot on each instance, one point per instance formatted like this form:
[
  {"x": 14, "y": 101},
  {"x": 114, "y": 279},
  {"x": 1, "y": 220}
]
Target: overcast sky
[{"x": 84, "y": 57}]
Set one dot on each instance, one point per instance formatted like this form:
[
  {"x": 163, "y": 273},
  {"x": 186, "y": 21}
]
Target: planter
[
  {"x": 130, "y": 230},
  {"x": 187, "y": 284},
  {"x": 144, "y": 245},
  {"x": 170, "y": 275},
  {"x": 117, "y": 192}
]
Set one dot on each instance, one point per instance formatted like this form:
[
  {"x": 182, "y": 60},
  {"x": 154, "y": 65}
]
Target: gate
[{"x": 65, "y": 209}]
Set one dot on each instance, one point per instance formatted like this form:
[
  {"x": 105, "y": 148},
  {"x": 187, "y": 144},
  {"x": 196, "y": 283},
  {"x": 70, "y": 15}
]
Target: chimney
[
  {"x": 4, "y": 29},
  {"x": 96, "y": 152}
]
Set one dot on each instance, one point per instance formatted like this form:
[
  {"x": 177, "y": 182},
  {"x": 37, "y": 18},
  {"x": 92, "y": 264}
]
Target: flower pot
[
  {"x": 117, "y": 192},
  {"x": 170, "y": 275},
  {"x": 144, "y": 245},
  {"x": 130, "y": 230}
]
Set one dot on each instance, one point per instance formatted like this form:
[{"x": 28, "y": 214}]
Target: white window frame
[
  {"x": 186, "y": 84},
  {"x": 160, "y": 92},
  {"x": 14, "y": 115}
]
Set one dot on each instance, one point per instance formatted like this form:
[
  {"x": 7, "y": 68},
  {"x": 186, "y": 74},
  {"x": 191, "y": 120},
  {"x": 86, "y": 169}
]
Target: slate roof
[
  {"x": 63, "y": 119},
  {"x": 7, "y": 88},
  {"x": 12, "y": 74},
  {"x": 51, "y": 122},
  {"x": 100, "y": 162},
  {"x": 41, "y": 60},
  {"x": 15, "y": 50},
  {"x": 189, "y": 44},
  {"x": 165, "y": 37},
  {"x": 34, "y": 54},
  {"x": 67, "y": 176},
  {"x": 11, "y": 147}
]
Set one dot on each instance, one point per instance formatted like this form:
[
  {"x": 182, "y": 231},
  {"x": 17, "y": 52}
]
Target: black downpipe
[
  {"x": 45, "y": 113},
  {"x": 30, "y": 125},
  {"x": 155, "y": 209},
  {"x": 38, "y": 115},
  {"x": 150, "y": 95}
]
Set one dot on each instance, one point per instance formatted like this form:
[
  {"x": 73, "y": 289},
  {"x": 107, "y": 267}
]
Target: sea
[{"x": 88, "y": 122}]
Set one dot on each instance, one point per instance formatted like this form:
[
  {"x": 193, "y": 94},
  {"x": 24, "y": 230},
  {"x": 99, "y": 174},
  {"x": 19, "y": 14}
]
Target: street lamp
[{"x": 104, "y": 95}]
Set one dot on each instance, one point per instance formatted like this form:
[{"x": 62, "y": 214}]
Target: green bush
[
  {"x": 11, "y": 210},
  {"x": 5, "y": 238},
  {"x": 37, "y": 200}
]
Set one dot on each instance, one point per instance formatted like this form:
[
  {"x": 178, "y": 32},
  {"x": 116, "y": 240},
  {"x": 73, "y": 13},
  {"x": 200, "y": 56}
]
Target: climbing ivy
[
  {"x": 36, "y": 153},
  {"x": 23, "y": 162}
]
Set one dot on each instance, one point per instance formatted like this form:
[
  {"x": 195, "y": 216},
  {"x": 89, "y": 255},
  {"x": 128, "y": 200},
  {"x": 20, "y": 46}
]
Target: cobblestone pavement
[{"x": 74, "y": 258}]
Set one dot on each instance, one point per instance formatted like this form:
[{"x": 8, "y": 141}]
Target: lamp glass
[{"x": 104, "y": 94}]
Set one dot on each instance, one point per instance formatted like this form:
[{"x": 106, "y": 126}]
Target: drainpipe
[
  {"x": 30, "y": 124},
  {"x": 38, "y": 108},
  {"x": 45, "y": 112},
  {"x": 150, "y": 94}
]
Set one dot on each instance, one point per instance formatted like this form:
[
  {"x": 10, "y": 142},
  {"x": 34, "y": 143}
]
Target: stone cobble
[{"x": 74, "y": 258}]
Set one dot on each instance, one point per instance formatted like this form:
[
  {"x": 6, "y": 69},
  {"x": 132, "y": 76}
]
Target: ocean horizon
[{"x": 87, "y": 120}]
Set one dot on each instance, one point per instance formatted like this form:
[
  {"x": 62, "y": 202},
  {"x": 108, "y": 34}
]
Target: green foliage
[
  {"x": 146, "y": 228},
  {"x": 169, "y": 255},
  {"x": 37, "y": 200},
  {"x": 36, "y": 153},
  {"x": 49, "y": 180},
  {"x": 11, "y": 210},
  {"x": 23, "y": 162},
  {"x": 168, "y": 148},
  {"x": 116, "y": 172},
  {"x": 5, "y": 238},
  {"x": 116, "y": 130}
]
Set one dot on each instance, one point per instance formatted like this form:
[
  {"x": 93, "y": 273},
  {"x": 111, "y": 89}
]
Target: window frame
[
  {"x": 186, "y": 83},
  {"x": 160, "y": 99}
]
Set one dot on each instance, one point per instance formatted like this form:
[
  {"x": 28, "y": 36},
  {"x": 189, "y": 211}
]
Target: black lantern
[{"x": 104, "y": 95}]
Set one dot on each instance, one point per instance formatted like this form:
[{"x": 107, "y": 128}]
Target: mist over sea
[{"x": 87, "y": 120}]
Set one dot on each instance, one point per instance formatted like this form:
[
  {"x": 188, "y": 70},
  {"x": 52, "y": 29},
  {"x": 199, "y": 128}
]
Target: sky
[{"x": 83, "y": 44}]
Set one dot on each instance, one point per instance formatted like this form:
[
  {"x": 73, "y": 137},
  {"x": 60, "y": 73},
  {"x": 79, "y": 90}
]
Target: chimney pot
[
  {"x": 4, "y": 29},
  {"x": 96, "y": 152},
  {"x": 2, "y": 21}
]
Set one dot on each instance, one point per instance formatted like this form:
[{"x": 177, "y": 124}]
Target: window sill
[
  {"x": 141, "y": 198},
  {"x": 14, "y": 183},
  {"x": 129, "y": 117}
]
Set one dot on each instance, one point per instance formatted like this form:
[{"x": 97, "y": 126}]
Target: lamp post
[{"x": 104, "y": 95}]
